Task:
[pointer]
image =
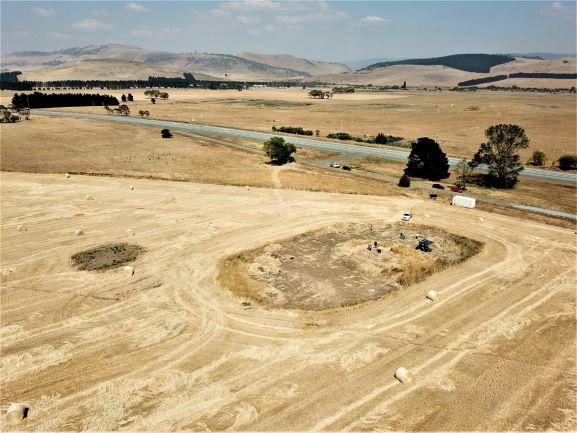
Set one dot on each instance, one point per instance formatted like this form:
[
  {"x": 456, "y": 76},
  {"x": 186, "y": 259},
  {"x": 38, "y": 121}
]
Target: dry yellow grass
[
  {"x": 171, "y": 350},
  {"x": 457, "y": 120},
  {"x": 530, "y": 192},
  {"x": 53, "y": 145}
]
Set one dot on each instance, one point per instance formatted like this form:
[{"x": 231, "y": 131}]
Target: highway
[{"x": 393, "y": 154}]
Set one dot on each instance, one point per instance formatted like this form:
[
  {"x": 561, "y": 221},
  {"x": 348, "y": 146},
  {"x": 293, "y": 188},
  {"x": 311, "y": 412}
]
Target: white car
[
  {"x": 335, "y": 165},
  {"x": 406, "y": 216}
]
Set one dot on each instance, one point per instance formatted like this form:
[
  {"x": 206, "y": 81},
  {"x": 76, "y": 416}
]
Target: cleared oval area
[{"x": 342, "y": 265}]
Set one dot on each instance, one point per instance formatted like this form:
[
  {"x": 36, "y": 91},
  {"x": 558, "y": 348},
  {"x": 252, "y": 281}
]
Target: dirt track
[{"x": 168, "y": 349}]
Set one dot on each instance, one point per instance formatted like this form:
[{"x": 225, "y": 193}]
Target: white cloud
[
  {"x": 290, "y": 16},
  {"x": 91, "y": 25},
  {"x": 100, "y": 13},
  {"x": 41, "y": 12},
  {"x": 144, "y": 32},
  {"x": 373, "y": 21},
  {"x": 135, "y": 8},
  {"x": 559, "y": 9}
]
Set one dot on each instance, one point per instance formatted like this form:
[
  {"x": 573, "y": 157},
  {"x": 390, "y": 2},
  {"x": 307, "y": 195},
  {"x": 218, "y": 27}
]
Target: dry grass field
[
  {"x": 531, "y": 192},
  {"x": 168, "y": 348},
  {"x": 124, "y": 304},
  {"x": 51, "y": 145},
  {"x": 457, "y": 120}
]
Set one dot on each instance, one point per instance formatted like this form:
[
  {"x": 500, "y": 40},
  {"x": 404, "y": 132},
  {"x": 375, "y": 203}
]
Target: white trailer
[{"x": 460, "y": 200}]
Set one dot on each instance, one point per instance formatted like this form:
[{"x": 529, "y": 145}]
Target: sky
[{"x": 322, "y": 30}]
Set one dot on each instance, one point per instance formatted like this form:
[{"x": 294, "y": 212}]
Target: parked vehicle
[
  {"x": 347, "y": 168},
  {"x": 334, "y": 165},
  {"x": 463, "y": 201},
  {"x": 406, "y": 216},
  {"x": 455, "y": 188},
  {"x": 424, "y": 245},
  {"x": 438, "y": 186},
  {"x": 433, "y": 196}
]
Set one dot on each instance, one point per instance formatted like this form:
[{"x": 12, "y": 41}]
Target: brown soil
[
  {"x": 333, "y": 267},
  {"x": 106, "y": 257}
]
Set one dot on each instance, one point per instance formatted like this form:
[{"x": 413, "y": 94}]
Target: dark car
[
  {"x": 455, "y": 188},
  {"x": 438, "y": 186},
  {"x": 347, "y": 168}
]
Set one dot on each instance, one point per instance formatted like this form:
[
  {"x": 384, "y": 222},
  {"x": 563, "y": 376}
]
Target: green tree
[
  {"x": 318, "y": 94},
  {"x": 568, "y": 162},
  {"x": 538, "y": 158},
  {"x": 427, "y": 160},
  {"x": 464, "y": 171},
  {"x": 123, "y": 97},
  {"x": 405, "y": 181},
  {"x": 129, "y": 97},
  {"x": 124, "y": 110},
  {"x": 278, "y": 150},
  {"x": 165, "y": 133},
  {"x": 500, "y": 153}
]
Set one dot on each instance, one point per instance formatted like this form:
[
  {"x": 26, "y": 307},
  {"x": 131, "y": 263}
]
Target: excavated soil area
[{"x": 333, "y": 267}]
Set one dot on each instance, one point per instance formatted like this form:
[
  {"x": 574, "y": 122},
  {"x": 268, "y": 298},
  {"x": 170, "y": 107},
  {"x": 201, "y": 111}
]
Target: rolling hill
[
  {"x": 312, "y": 67},
  {"x": 445, "y": 76},
  {"x": 72, "y": 64},
  {"x": 481, "y": 63}
]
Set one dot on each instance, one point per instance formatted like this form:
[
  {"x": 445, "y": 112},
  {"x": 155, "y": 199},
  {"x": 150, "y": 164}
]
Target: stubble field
[{"x": 168, "y": 348}]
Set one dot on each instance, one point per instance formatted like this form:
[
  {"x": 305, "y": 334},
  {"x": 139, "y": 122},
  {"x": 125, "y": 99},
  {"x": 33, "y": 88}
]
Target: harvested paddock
[
  {"x": 333, "y": 267},
  {"x": 107, "y": 257},
  {"x": 549, "y": 119},
  {"x": 169, "y": 350}
]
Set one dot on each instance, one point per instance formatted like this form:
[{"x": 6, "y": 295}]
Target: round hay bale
[
  {"x": 79, "y": 232},
  {"x": 427, "y": 215},
  {"x": 403, "y": 375},
  {"x": 67, "y": 175},
  {"x": 129, "y": 270},
  {"x": 89, "y": 197},
  {"x": 481, "y": 219},
  {"x": 21, "y": 228},
  {"x": 130, "y": 232},
  {"x": 432, "y": 295},
  {"x": 16, "y": 413}
]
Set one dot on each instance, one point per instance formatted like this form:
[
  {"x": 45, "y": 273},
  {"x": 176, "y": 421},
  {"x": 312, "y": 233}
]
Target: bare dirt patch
[
  {"x": 333, "y": 267},
  {"x": 106, "y": 257}
]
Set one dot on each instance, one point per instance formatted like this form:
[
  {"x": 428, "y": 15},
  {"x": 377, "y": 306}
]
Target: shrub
[
  {"x": 568, "y": 162},
  {"x": 405, "y": 181},
  {"x": 292, "y": 130},
  {"x": 278, "y": 150},
  {"x": 166, "y": 133},
  {"x": 538, "y": 158},
  {"x": 386, "y": 139},
  {"x": 340, "y": 136}
]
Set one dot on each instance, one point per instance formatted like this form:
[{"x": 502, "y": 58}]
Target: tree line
[
  {"x": 494, "y": 78},
  {"x": 9, "y": 81},
  {"x": 48, "y": 100}
]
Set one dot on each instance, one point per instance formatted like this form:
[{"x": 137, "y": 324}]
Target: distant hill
[
  {"x": 96, "y": 69},
  {"x": 435, "y": 75},
  {"x": 363, "y": 63},
  {"x": 311, "y": 67},
  {"x": 542, "y": 55},
  {"x": 481, "y": 63},
  {"x": 71, "y": 63}
]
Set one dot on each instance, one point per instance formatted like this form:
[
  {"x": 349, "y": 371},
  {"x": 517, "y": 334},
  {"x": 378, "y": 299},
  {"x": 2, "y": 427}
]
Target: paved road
[{"x": 397, "y": 155}]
